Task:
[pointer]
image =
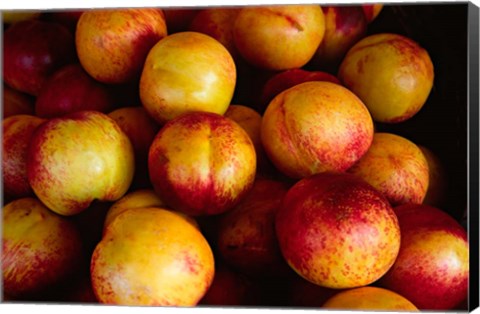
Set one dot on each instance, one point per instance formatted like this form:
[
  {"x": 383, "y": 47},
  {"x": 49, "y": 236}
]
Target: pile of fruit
[{"x": 222, "y": 156}]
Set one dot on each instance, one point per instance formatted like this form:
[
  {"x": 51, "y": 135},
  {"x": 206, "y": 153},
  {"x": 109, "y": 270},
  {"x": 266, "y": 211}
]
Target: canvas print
[{"x": 302, "y": 156}]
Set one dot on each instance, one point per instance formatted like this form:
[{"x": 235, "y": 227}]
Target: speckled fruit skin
[
  {"x": 17, "y": 133},
  {"x": 186, "y": 72},
  {"x": 246, "y": 238},
  {"x": 112, "y": 44},
  {"x": 396, "y": 167},
  {"x": 392, "y": 74},
  {"x": 315, "y": 127},
  {"x": 75, "y": 159},
  {"x": 251, "y": 121},
  {"x": 15, "y": 102},
  {"x": 151, "y": 256},
  {"x": 202, "y": 163},
  {"x": 437, "y": 179},
  {"x": 32, "y": 51},
  {"x": 71, "y": 89},
  {"x": 369, "y": 299},
  {"x": 344, "y": 26},
  {"x": 279, "y": 37},
  {"x": 337, "y": 231},
  {"x": 217, "y": 22},
  {"x": 39, "y": 248},
  {"x": 432, "y": 267}
]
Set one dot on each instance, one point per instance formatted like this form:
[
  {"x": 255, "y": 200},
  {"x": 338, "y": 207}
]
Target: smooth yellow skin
[
  {"x": 39, "y": 246},
  {"x": 369, "y": 299},
  {"x": 392, "y": 75},
  {"x": 152, "y": 256},
  {"x": 396, "y": 167},
  {"x": 279, "y": 37},
  {"x": 137, "y": 199},
  {"x": 77, "y": 160},
  {"x": 310, "y": 128},
  {"x": 13, "y": 16},
  {"x": 187, "y": 72},
  {"x": 112, "y": 44}
]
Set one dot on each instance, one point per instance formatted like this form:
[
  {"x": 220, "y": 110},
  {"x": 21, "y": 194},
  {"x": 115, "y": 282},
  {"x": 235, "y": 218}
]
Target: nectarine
[
  {"x": 279, "y": 37},
  {"x": 40, "y": 249},
  {"x": 112, "y": 44},
  {"x": 186, "y": 72},
  {"x": 202, "y": 163},
  {"x": 151, "y": 256},
  {"x": 96, "y": 162},
  {"x": 392, "y": 74},
  {"x": 337, "y": 231},
  {"x": 315, "y": 127},
  {"x": 396, "y": 167}
]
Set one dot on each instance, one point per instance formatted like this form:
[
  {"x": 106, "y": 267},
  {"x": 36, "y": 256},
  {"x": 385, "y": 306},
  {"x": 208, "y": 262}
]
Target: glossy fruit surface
[
  {"x": 392, "y": 74},
  {"x": 337, "y": 231},
  {"x": 39, "y": 248},
  {"x": 186, "y": 72},
  {"x": 112, "y": 44},
  {"x": 369, "y": 299},
  {"x": 315, "y": 127},
  {"x": 202, "y": 163},
  {"x": 151, "y": 256},
  {"x": 98, "y": 163}
]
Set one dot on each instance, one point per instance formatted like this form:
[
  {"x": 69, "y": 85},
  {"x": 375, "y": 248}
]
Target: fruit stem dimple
[{"x": 289, "y": 19}]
